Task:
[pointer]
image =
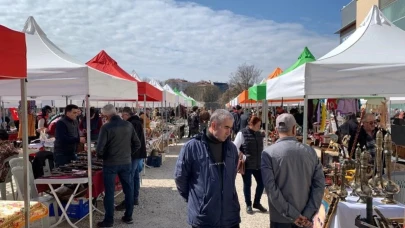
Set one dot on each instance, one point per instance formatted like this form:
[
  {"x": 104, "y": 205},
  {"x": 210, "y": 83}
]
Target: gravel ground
[{"x": 162, "y": 207}]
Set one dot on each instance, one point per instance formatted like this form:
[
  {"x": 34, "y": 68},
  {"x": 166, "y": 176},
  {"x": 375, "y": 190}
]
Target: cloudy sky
[{"x": 193, "y": 40}]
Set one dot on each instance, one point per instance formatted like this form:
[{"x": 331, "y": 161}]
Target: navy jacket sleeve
[
  {"x": 61, "y": 133},
  {"x": 182, "y": 171},
  {"x": 101, "y": 142},
  {"x": 135, "y": 142}
]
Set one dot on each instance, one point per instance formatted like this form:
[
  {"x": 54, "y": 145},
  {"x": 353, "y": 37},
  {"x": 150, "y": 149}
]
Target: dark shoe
[
  {"x": 259, "y": 207},
  {"x": 136, "y": 202},
  {"x": 104, "y": 225},
  {"x": 120, "y": 207},
  {"x": 249, "y": 210},
  {"x": 127, "y": 220}
]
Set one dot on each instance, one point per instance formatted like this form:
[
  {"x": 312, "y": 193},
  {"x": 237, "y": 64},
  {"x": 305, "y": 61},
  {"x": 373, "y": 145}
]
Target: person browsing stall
[
  {"x": 293, "y": 178},
  {"x": 67, "y": 137},
  {"x": 137, "y": 158},
  {"x": 117, "y": 142}
]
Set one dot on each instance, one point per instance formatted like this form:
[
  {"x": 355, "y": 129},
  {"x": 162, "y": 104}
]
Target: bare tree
[
  {"x": 193, "y": 91},
  {"x": 145, "y": 79},
  {"x": 244, "y": 77},
  {"x": 206, "y": 93},
  {"x": 228, "y": 96},
  {"x": 210, "y": 93}
]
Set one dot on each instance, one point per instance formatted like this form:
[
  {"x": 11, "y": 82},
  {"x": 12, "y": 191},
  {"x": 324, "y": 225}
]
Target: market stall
[
  {"x": 13, "y": 66},
  {"x": 352, "y": 70},
  {"x": 54, "y": 75}
]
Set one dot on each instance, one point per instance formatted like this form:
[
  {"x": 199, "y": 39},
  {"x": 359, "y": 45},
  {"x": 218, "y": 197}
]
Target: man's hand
[
  {"x": 82, "y": 140},
  {"x": 303, "y": 221},
  {"x": 307, "y": 223}
]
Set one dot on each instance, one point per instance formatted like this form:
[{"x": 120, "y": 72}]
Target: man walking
[
  {"x": 236, "y": 121},
  {"x": 116, "y": 143},
  {"x": 293, "y": 178},
  {"x": 205, "y": 175}
]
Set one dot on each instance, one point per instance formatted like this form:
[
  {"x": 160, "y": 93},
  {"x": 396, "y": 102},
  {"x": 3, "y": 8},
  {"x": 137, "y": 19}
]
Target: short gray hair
[
  {"x": 220, "y": 115},
  {"x": 109, "y": 110},
  {"x": 367, "y": 116}
]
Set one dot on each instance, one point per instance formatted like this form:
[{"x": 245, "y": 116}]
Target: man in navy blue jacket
[
  {"x": 67, "y": 136},
  {"x": 205, "y": 175}
]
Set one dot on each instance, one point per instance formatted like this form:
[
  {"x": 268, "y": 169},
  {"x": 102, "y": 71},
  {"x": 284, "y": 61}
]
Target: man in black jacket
[
  {"x": 67, "y": 137},
  {"x": 117, "y": 142},
  {"x": 137, "y": 159}
]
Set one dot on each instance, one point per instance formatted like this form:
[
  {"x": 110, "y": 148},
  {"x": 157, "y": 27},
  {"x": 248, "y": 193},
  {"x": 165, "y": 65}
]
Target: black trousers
[
  {"x": 282, "y": 225},
  {"x": 247, "y": 185}
]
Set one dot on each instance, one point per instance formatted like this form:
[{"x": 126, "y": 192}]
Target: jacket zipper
[
  {"x": 258, "y": 157},
  {"x": 221, "y": 178}
]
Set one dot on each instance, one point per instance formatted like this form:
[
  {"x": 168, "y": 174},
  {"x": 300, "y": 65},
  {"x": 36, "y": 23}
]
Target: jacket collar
[
  {"x": 294, "y": 138},
  {"x": 202, "y": 136},
  {"x": 115, "y": 118},
  {"x": 68, "y": 118},
  {"x": 134, "y": 117}
]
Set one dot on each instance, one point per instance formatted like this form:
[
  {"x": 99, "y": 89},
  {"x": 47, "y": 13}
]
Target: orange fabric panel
[
  {"x": 243, "y": 98},
  {"x": 275, "y": 73}
]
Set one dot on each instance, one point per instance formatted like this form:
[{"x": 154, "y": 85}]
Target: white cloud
[{"x": 164, "y": 39}]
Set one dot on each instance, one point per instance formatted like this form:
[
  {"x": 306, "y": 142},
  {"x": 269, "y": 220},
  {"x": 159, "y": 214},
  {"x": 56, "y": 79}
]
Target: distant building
[
  {"x": 356, "y": 11},
  {"x": 348, "y": 21},
  {"x": 394, "y": 11},
  {"x": 221, "y": 85}
]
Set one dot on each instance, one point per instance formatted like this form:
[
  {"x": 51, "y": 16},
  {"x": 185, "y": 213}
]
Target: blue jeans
[
  {"x": 247, "y": 184},
  {"x": 109, "y": 175},
  {"x": 135, "y": 170}
]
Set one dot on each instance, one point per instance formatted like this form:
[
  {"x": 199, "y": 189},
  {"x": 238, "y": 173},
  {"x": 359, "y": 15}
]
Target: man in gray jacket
[
  {"x": 117, "y": 141},
  {"x": 293, "y": 178}
]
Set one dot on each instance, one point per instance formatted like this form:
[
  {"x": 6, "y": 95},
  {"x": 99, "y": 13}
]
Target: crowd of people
[
  {"x": 222, "y": 144},
  {"x": 120, "y": 143}
]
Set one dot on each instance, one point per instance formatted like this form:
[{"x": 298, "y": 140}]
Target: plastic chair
[
  {"x": 18, "y": 173},
  {"x": 19, "y": 162},
  {"x": 8, "y": 179}
]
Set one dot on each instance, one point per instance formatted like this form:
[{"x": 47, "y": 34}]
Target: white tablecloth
[{"x": 346, "y": 212}]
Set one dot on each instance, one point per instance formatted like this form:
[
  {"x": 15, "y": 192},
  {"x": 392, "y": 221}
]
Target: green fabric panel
[
  {"x": 305, "y": 57},
  {"x": 257, "y": 92}
]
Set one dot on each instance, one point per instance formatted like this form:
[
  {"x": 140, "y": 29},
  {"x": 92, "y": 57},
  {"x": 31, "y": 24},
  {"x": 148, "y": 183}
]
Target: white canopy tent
[
  {"x": 168, "y": 97},
  {"x": 55, "y": 75},
  {"x": 187, "y": 100},
  {"x": 370, "y": 63},
  {"x": 178, "y": 99}
]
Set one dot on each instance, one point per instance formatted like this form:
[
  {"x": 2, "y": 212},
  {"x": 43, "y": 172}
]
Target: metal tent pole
[
  {"x": 305, "y": 125},
  {"x": 89, "y": 165},
  {"x": 24, "y": 125},
  {"x": 144, "y": 128}
]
